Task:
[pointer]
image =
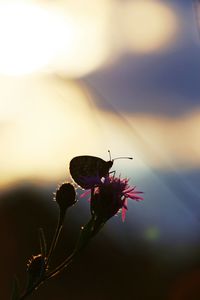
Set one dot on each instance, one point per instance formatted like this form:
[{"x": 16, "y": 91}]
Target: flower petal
[
  {"x": 85, "y": 194},
  {"x": 124, "y": 209},
  {"x": 133, "y": 196}
]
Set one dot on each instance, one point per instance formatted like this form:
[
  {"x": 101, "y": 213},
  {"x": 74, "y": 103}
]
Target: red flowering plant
[
  {"x": 111, "y": 196},
  {"x": 108, "y": 196}
]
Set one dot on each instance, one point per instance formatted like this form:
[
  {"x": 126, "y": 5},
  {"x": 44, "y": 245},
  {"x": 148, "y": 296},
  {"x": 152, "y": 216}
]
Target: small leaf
[
  {"x": 43, "y": 244},
  {"x": 15, "y": 290}
]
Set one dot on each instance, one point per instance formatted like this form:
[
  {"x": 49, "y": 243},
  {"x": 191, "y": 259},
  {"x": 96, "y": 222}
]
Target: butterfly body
[{"x": 87, "y": 170}]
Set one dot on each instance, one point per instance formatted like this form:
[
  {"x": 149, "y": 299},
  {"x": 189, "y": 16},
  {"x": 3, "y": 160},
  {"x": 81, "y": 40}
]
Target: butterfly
[{"x": 87, "y": 171}]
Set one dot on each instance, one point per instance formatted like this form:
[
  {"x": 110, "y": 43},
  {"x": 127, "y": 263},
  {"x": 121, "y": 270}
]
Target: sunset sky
[{"x": 82, "y": 77}]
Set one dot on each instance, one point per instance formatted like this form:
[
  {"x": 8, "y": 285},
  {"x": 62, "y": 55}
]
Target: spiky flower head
[{"x": 110, "y": 196}]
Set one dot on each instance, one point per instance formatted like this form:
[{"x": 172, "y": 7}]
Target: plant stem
[
  {"x": 61, "y": 267},
  {"x": 56, "y": 237},
  {"x": 49, "y": 275},
  {"x": 87, "y": 232}
]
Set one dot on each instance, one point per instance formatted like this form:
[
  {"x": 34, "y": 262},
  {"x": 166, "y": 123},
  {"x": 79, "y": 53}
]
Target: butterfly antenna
[
  {"x": 109, "y": 154},
  {"x": 123, "y": 157}
]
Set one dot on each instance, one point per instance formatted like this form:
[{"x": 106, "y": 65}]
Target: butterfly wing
[{"x": 87, "y": 170}]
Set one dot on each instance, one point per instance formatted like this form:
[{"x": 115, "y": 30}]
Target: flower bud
[
  {"x": 65, "y": 196},
  {"x": 36, "y": 268}
]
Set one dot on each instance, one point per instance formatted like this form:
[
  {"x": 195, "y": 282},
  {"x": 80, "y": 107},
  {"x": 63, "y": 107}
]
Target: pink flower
[{"x": 110, "y": 196}]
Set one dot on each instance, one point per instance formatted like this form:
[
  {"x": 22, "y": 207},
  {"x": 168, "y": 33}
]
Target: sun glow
[
  {"x": 87, "y": 28},
  {"x": 39, "y": 138},
  {"x": 76, "y": 38},
  {"x": 52, "y": 38},
  {"x": 147, "y": 25},
  {"x": 28, "y": 38}
]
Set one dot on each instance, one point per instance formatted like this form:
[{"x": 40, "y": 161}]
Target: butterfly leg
[{"x": 112, "y": 172}]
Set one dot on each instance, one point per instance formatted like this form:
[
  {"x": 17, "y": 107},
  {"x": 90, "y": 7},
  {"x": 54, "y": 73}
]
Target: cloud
[
  {"x": 161, "y": 142},
  {"x": 174, "y": 140}
]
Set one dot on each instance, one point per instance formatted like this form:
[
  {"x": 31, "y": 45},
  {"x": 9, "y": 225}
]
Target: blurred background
[{"x": 81, "y": 77}]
